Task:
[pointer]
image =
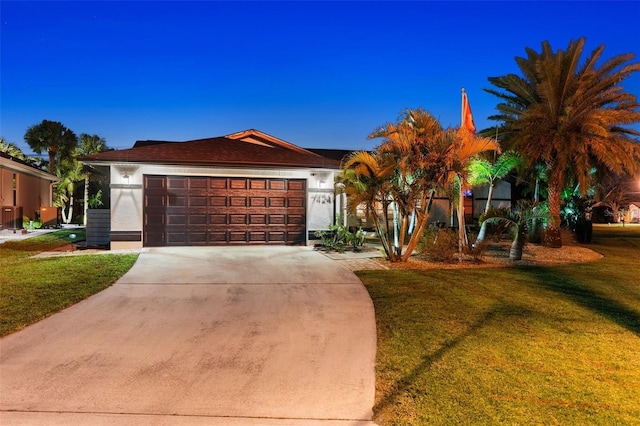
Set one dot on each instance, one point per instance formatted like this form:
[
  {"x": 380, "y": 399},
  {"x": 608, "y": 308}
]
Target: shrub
[
  {"x": 338, "y": 237},
  {"x": 438, "y": 245}
]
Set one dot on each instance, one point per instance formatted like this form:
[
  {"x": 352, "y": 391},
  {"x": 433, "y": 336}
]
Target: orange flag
[{"x": 467, "y": 118}]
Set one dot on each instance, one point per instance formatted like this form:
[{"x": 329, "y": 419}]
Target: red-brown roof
[{"x": 254, "y": 149}]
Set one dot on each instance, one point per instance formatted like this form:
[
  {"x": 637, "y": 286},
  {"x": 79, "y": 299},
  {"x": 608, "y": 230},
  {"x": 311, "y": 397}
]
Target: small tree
[
  {"x": 520, "y": 218},
  {"x": 483, "y": 170}
]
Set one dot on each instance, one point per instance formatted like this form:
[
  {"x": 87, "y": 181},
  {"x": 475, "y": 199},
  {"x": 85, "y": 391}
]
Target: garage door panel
[
  {"x": 276, "y": 236},
  {"x": 218, "y": 183},
  {"x": 294, "y": 237},
  {"x": 177, "y": 182},
  {"x": 197, "y": 200},
  {"x": 155, "y": 238},
  {"x": 295, "y": 219},
  {"x": 237, "y": 201},
  {"x": 197, "y": 219},
  {"x": 296, "y": 185},
  {"x": 237, "y": 183},
  {"x": 176, "y": 219},
  {"x": 217, "y": 219},
  {"x": 258, "y": 184},
  {"x": 155, "y": 182},
  {"x": 217, "y": 237},
  {"x": 218, "y": 201},
  {"x": 176, "y": 238},
  {"x": 276, "y": 219},
  {"x": 257, "y": 219},
  {"x": 257, "y": 202},
  {"x": 277, "y": 185},
  {"x": 237, "y": 236},
  {"x": 182, "y": 210},
  {"x": 277, "y": 202},
  {"x": 295, "y": 202},
  {"x": 198, "y": 183},
  {"x": 237, "y": 219},
  {"x": 176, "y": 201},
  {"x": 154, "y": 201},
  {"x": 197, "y": 237},
  {"x": 257, "y": 237}
]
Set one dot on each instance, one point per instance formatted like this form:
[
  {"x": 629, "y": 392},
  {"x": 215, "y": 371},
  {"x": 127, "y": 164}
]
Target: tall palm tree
[
  {"x": 89, "y": 144},
  {"x": 571, "y": 115},
  {"x": 52, "y": 137}
]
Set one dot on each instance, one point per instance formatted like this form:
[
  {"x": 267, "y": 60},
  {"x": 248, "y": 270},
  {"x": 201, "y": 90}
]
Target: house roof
[
  {"x": 13, "y": 163},
  {"x": 248, "y": 148},
  {"x": 335, "y": 154}
]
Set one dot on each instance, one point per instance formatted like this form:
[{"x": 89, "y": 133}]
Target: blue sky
[{"x": 317, "y": 74}]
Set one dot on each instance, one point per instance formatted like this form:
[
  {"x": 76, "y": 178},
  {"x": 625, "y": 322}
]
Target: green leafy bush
[
  {"x": 30, "y": 224},
  {"x": 338, "y": 238}
]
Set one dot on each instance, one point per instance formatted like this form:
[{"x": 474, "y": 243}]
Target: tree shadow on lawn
[
  {"x": 577, "y": 292},
  {"x": 401, "y": 385},
  {"x": 545, "y": 278}
]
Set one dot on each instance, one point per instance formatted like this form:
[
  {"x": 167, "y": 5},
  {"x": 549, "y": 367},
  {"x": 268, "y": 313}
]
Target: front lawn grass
[
  {"x": 33, "y": 288},
  {"x": 517, "y": 345}
]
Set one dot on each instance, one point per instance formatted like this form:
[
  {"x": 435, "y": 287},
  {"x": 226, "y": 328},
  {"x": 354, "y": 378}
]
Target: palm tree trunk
[
  {"x": 516, "y": 250},
  {"x": 489, "y": 197},
  {"x": 487, "y": 206},
  {"x": 423, "y": 218},
  {"x": 86, "y": 199},
  {"x": 552, "y": 235},
  {"x": 462, "y": 231},
  {"x": 52, "y": 161}
]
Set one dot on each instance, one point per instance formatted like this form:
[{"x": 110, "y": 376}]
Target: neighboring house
[
  {"x": 633, "y": 212},
  {"x": 243, "y": 188},
  {"x": 25, "y": 190}
]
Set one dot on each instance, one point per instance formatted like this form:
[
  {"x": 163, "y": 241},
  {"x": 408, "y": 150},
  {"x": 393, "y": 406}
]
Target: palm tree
[
  {"x": 11, "y": 149},
  {"x": 52, "y": 137},
  {"x": 70, "y": 172},
  {"x": 416, "y": 158},
  {"x": 89, "y": 144},
  {"x": 463, "y": 147},
  {"x": 366, "y": 178},
  {"x": 520, "y": 218},
  {"x": 489, "y": 169},
  {"x": 569, "y": 116}
]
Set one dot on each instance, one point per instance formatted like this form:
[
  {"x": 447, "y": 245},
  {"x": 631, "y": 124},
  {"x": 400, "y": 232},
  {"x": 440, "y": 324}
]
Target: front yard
[
  {"x": 514, "y": 345},
  {"x": 33, "y": 288}
]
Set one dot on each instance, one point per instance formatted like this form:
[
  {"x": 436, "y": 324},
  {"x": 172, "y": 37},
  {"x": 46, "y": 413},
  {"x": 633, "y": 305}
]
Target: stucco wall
[
  {"x": 501, "y": 197},
  {"x": 127, "y": 192},
  {"x": 32, "y": 191}
]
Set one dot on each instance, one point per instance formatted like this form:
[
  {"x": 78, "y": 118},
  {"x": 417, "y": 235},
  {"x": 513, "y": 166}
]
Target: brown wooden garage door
[{"x": 190, "y": 210}]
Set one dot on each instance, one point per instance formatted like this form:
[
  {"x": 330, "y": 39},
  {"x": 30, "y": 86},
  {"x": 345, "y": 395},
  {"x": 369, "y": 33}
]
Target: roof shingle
[{"x": 219, "y": 151}]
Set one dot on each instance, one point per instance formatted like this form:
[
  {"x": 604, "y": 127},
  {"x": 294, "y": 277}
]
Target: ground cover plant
[
  {"x": 512, "y": 345},
  {"x": 34, "y": 288}
]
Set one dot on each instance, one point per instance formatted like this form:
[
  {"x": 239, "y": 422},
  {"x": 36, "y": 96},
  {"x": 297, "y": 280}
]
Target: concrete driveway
[{"x": 216, "y": 335}]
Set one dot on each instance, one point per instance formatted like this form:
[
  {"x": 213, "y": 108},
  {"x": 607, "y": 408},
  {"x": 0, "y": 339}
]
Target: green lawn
[
  {"x": 555, "y": 345},
  {"x": 32, "y": 289}
]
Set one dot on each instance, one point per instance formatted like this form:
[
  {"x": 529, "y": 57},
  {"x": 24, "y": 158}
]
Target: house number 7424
[{"x": 322, "y": 199}]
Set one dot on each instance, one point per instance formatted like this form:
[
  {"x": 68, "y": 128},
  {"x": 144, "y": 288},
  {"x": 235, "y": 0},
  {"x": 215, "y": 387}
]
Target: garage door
[{"x": 192, "y": 210}]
